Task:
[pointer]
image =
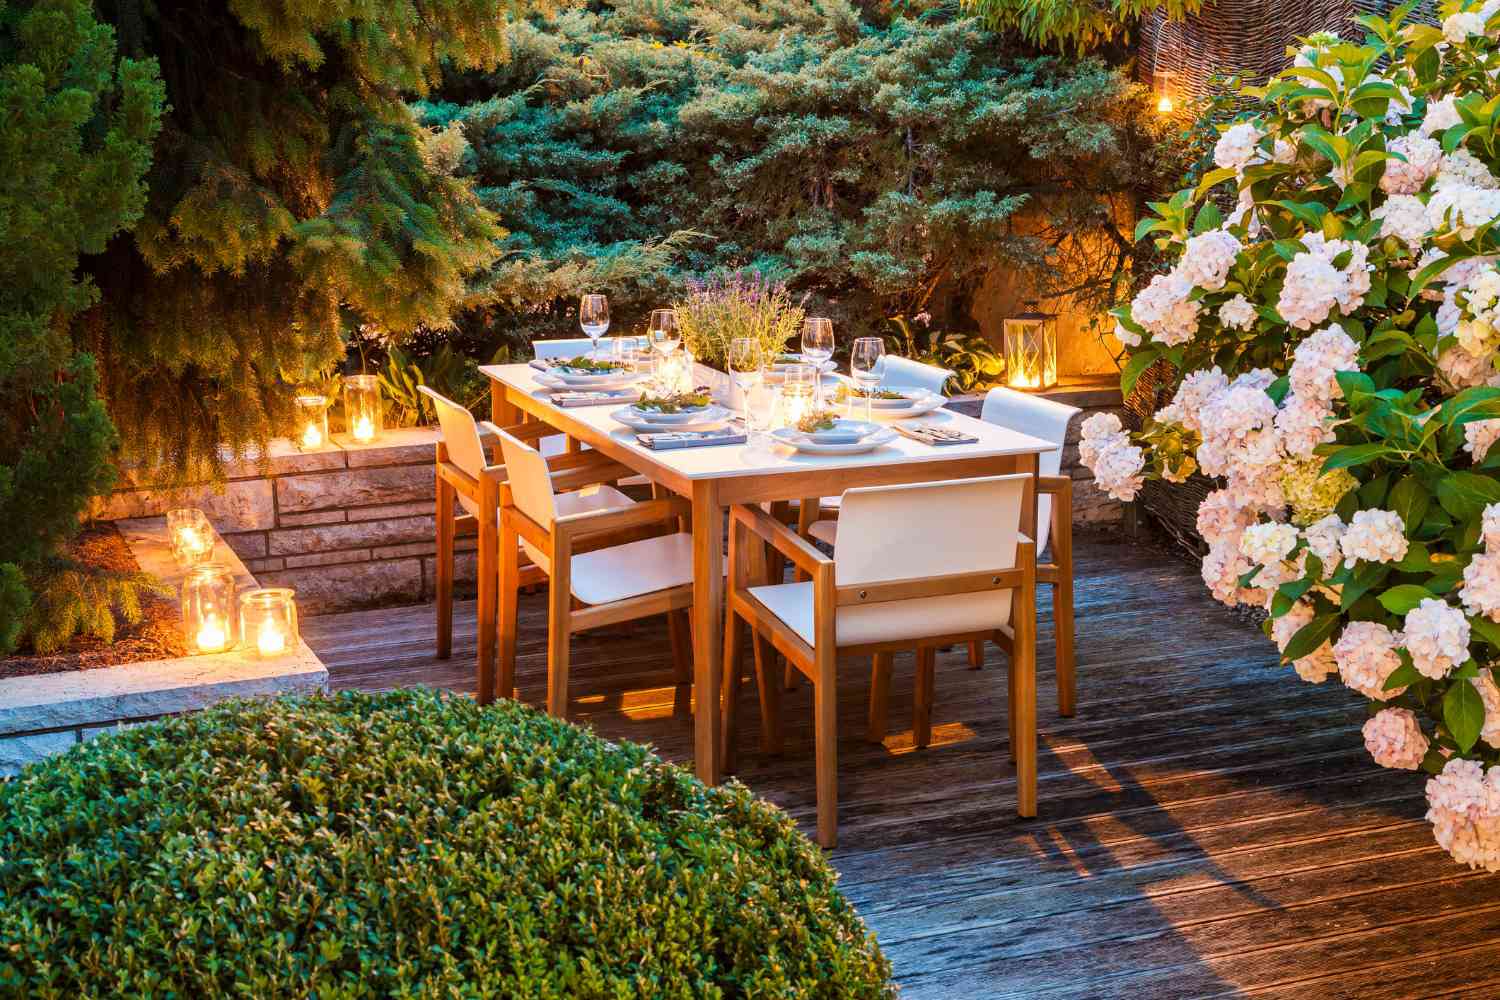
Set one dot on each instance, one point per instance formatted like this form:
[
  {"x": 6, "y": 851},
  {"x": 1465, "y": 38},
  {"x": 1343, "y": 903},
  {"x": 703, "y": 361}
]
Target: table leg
[
  {"x": 503, "y": 413},
  {"x": 708, "y": 626}
]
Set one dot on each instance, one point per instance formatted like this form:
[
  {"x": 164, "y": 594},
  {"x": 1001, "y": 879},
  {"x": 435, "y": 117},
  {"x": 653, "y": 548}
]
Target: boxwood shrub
[{"x": 408, "y": 844}]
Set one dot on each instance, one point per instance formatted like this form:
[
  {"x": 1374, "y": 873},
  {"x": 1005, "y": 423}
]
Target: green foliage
[
  {"x": 76, "y": 599},
  {"x": 407, "y": 844},
  {"x": 1073, "y": 24},
  {"x": 293, "y": 196},
  {"x": 75, "y": 138},
  {"x": 444, "y": 371},
  {"x": 882, "y": 165},
  {"x": 975, "y": 363}
]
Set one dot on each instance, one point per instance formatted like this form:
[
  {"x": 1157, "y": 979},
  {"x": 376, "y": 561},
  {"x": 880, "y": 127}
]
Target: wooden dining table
[{"x": 713, "y": 478}]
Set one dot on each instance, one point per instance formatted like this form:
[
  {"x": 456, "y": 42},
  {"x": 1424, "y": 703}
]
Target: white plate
[
  {"x": 845, "y": 431},
  {"x": 581, "y": 379},
  {"x": 554, "y": 383},
  {"x": 802, "y": 442},
  {"x": 922, "y": 402},
  {"x": 826, "y": 366},
  {"x": 713, "y": 419},
  {"x": 681, "y": 417}
]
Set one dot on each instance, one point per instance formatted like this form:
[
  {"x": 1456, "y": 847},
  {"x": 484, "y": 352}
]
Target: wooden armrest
[
  {"x": 578, "y": 460},
  {"x": 596, "y": 472},
  {"x": 529, "y": 431},
  {"x": 635, "y": 516},
  {"x": 1054, "y": 484},
  {"x": 783, "y": 539}
]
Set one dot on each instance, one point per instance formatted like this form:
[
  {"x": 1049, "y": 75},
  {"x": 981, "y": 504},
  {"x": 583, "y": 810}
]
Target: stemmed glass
[
  {"x": 746, "y": 366},
  {"x": 867, "y": 366},
  {"x": 593, "y": 316},
  {"x": 817, "y": 347},
  {"x": 663, "y": 332},
  {"x": 760, "y": 415}
]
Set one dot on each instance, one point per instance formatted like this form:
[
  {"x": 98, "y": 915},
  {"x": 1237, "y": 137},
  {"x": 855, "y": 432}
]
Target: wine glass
[
  {"x": 867, "y": 366},
  {"x": 761, "y": 402},
  {"x": 593, "y": 316},
  {"x": 817, "y": 347},
  {"x": 663, "y": 332},
  {"x": 746, "y": 363}
]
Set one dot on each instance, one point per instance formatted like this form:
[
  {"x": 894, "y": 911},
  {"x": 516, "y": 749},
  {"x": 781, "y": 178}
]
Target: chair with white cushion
[
  {"x": 466, "y": 474},
  {"x": 904, "y": 373},
  {"x": 918, "y": 566},
  {"x": 572, "y": 347},
  {"x": 580, "y": 551},
  {"x": 1046, "y": 419}
]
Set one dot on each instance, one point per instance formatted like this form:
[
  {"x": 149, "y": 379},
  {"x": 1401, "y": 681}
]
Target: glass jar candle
[
  {"x": 312, "y": 422},
  {"x": 362, "y": 407},
  {"x": 268, "y": 621},
  {"x": 191, "y": 538},
  {"x": 797, "y": 401},
  {"x": 208, "y": 608}
]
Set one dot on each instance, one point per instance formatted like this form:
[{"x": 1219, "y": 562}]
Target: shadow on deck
[{"x": 1208, "y": 825}]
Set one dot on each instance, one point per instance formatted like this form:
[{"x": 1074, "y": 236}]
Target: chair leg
[
  {"x": 733, "y": 670},
  {"x": 489, "y": 585},
  {"x": 976, "y": 654},
  {"x": 1010, "y": 699},
  {"x": 1062, "y": 625},
  {"x": 679, "y": 629},
  {"x": 559, "y": 620},
  {"x": 922, "y": 712},
  {"x": 826, "y": 736},
  {"x": 509, "y": 558},
  {"x": 1023, "y": 701},
  {"x": 880, "y": 697},
  {"x": 444, "y": 583},
  {"x": 769, "y": 687}
]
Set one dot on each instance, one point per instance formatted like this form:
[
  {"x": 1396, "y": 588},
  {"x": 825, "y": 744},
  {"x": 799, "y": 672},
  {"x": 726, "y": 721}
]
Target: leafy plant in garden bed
[
  {"x": 975, "y": 363},
  {"x": 1336, "y": 339},
  {"x": 407, "y": 844}
]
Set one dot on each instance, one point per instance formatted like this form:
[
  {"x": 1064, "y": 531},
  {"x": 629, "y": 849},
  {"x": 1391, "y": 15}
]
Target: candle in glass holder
[
  {"x": 796, "y": 402},
  {"x": 362, "y": 407},
  {"x": 208, "y": 619},
  {"x": 189, "y": 535},
  {"x": 312, "y": 422},
  {"x": 268, "y": 620}
]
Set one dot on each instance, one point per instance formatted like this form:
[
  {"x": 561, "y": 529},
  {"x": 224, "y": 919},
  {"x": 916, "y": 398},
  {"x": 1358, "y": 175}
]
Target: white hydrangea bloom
[
  {"x": 1304, "y": 422},
  {"x": 1375, "y": 536},
  {"x": 1116, "y": 463},
  {"x": 1395, "y": 739},
  {"x": 1222, "y": 568},
  {"x": 1222, "y": 518},
  {"x": 1441, "y": 116},
  {"x": 1237, "y": 146},
  {"x": 1462, "y": 168},
  {"x": 1479, "y": 436},
  {"x": 1207, "y": 258},
  {"x": 1238, "y": 313},
  {"x": 1462, "y": 370},
  {"x": 1480, "y": 590},
  {"x": 1489, "y": 693},
  {"x": 1458, "y": 27},
  {"x": 1403, "y": 216},
  {"x": 1317, "y": 361},
  {"x": 1490, "y": 526},
  {"x": 1463, "y": 806},
  {"x": 1436, "y": 635},
  {"x": 1366, "y": 656},
  {"x": 1268, "y": 542},
  {"x": 1423, "y": 158},
  {"x": 1323, "y": 539},
  {"x": 1462, "y": 209},
  {"x": 1164, "y": 310},
  {"x": 1127, "y": 336},
  {"x": 1315, "y": 667},
  {"x": 1313, "y": 286}
]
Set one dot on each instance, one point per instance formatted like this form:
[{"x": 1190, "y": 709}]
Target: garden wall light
[
  {"x": 208, "y": 612},
  {"x": 1031, "y": 350},
  {"x": 362, "y": 407},
  {"x": 268, "y": 621},
  {"x": 312, "y": 422}
]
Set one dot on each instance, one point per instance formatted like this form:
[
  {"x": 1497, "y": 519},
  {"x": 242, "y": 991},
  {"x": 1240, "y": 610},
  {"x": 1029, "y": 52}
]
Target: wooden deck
[{"x": 1209, "y": 825}]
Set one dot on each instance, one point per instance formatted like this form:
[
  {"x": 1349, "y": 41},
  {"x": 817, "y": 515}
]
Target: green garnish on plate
[
  {"x": 821, "y": 420},
  {"x": 592, "y": 366},
  {"x": 675, "y": 403},
  {"x": 857, "y": 392}
]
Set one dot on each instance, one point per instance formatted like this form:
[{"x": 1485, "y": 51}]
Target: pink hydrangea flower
[{"x": 1395, "y": 739}]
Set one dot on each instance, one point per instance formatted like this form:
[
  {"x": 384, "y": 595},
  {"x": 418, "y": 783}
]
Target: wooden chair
[
  {"x": 1046, "y": 419},
  {"x": 919, "y": 567},
  {"x": 604, "y": 566},
  {"x": 468, "y": 478}
]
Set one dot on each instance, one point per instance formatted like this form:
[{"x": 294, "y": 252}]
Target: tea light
[
  {"x": 312, "y": 422},
  {"x": 796, "y": 402},
  {"x": 362, "y": 407},
  {"x": 208, "y": 620},
  {"x": 188, "y": 533},
  {"x": 268, "y": 619}
]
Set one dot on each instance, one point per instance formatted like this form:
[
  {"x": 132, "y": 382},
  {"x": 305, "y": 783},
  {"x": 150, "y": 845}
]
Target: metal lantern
[
  {"x": 268, "y": 621},
  {"x": 312, "y": 422},
  {"x": 362, "y": 407},
  {"x": 209, "y": 619},
  {"x": 1031, "y": 351},
  {"x": 191, "y": 538}
]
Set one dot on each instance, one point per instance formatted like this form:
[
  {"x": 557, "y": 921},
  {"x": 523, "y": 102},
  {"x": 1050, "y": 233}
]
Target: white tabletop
[{"x": 722, "y": 461}]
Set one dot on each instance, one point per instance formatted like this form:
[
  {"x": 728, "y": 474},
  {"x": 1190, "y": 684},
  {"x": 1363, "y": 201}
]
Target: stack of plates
[
  {"x": 847, "y": 437},
  {"x": 695, "y": 418},
  {"x": 560, "y": 378}
]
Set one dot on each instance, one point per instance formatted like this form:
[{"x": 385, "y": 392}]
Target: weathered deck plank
[{"x": 1208, "y": 825}]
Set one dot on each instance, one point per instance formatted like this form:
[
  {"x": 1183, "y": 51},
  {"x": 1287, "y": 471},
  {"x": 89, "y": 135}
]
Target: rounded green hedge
[{"x": 407, "y": 844}]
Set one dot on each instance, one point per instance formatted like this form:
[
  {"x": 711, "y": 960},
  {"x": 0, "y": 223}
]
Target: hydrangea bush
[{"x": 1336, "y": 342}]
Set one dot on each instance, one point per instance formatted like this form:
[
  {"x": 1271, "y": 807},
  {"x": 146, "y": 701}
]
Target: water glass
[
  {"x": 817, "y": 346},
  {"x": 867, "y": 366},
  {"x": 746, "y": 365},
  {"x": 761, "y": 400},
  {"x": 663, "y": 331},
  {"x": 593, "y": 316}
]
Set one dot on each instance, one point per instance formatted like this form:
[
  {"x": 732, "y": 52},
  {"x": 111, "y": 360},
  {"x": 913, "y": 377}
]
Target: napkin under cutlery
[
  {"x": 596, "y": 398},
  {"x": 933, "y": 434},
  {"x": 663, "y": 440}
]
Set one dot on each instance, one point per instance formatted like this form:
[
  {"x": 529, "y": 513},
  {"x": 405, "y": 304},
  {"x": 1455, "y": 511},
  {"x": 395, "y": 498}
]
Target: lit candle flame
[
  {"x": 189, "y": 541},
  {"x": 211, "y": 635},
  {"x": 312, "y": 437},
  {"x": 364, "y": 429},
  {"x": 1164, "y": 104},
  {"x": 270, "y": 639}
]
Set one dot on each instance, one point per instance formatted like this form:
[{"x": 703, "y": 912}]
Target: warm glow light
[
  {"x": 1164, "y": 104},
  {"x": 312, "y": 437},
  {"x": 189, "y": 540},
  {"x": 270, "y": 640},
  {"x": 212, "y": 635},
  {"x": 364, "y": 429},
  {"x": 1025, "y": 380}
]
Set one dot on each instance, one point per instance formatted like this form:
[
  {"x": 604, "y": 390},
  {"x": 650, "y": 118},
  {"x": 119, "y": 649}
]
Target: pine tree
[
  {"x": 293, "y": 198},
  {"x": 75, "y": 139}
]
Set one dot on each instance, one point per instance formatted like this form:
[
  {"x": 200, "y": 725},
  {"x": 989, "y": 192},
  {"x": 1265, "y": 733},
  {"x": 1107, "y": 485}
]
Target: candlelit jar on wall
[
  {"x": 312, "y": 422},
  {"x": 268, "y": 620},
  {"x": 209, "y": 621},
  {"x": 1031, "y": 350},
  {"x": 362, "y": 407},
  {"x": 188, "y": 533}
]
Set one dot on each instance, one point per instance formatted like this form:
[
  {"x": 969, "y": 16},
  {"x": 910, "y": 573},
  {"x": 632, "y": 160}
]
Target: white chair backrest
[
  {"x": 530, "y": 486},
  {"x": 461, "y": 435},
  {"x": 1042, "y": 418},
  {"x": 929, "y": 529},
  {"x": 904, "y": 373},
  {"x": 573, "y": 347}
]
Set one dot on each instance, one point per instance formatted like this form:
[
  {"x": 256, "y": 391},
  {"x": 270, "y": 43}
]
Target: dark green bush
[{"x": 406, "y": 844}]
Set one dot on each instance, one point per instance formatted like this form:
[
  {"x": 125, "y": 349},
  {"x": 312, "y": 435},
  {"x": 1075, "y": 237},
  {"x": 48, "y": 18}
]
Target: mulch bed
[{"x": 157, "y": 636}]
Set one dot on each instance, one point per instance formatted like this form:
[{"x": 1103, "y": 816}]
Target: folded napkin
[
  {"x": 541, "y": 364},
  {"x": 933, "y": 434},
  {"x": 662, "y": 440},
  {"x": 596, "y": 398}
]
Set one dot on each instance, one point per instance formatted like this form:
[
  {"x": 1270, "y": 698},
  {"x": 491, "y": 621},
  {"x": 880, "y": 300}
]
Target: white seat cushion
[
  {"x": 633, "y": 569},
  {"x": 601, "y": 497},
  {"x": 825, "y": 531},
  {"x": 891, "y": 621}
]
